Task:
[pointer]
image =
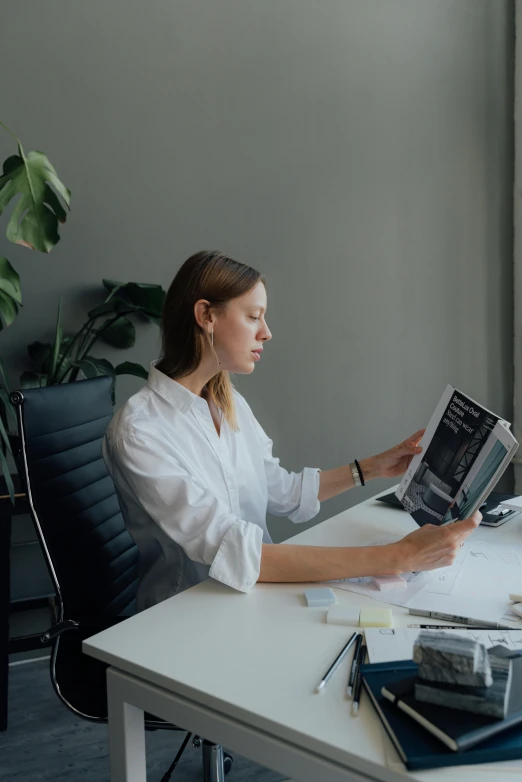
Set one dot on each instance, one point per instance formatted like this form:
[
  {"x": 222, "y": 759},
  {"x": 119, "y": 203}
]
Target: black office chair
[{"x": 91, "y": 557}]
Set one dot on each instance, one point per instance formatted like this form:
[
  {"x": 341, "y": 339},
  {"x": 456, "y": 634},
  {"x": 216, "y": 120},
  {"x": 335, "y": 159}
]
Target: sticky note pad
[
  {"x": 389, "y": 583},
  {"x": 319, "y": 597},
  {"x": 343, "y": 615},
  {"x": 376, "y": 617}
]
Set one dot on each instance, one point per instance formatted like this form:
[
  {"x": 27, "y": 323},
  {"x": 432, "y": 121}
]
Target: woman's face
[{"x": 240, "y": 330}]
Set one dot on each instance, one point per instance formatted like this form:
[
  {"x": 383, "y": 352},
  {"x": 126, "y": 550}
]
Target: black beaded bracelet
[{"x": 359, "y": 471}]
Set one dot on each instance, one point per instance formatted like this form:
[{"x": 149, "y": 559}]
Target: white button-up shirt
[{"x": 194, "y": 501}]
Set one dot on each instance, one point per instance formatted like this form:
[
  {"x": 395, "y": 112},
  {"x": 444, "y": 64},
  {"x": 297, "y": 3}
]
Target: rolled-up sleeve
[
  {"x": 290, "y": 494},
  {"x": 189, "y": 513}
]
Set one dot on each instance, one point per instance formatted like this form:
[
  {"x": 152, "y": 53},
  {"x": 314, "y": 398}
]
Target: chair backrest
[{"x": 91, "y": 556}]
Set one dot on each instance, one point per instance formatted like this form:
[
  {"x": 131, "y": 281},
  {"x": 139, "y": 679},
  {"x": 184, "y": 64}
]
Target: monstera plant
[
  {"x": 70, "y": 356},
  {"x": 31, "y": 182}
]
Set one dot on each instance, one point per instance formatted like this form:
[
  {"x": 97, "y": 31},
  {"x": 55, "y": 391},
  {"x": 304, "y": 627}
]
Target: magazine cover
[
  {"x": 487, "y": 470},
  {"x": 439, "y": 483}
]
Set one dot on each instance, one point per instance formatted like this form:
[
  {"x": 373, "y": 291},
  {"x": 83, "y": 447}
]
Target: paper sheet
[
  {"x": 387, "y": 644},
  {"x": 482, "y": 580},
  {"x": 477, "y": 584},
  {"x": 442, "y": 579}
]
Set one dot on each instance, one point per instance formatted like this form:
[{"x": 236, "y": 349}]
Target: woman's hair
[{"x": 206, "y": 275}]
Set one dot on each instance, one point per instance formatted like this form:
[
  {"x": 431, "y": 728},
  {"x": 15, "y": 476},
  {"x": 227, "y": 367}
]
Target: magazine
[{"x": 466, "y": 448}]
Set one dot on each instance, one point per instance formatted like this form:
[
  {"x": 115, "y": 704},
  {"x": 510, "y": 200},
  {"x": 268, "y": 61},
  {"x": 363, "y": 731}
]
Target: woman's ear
[{"x": 202, "y": 313}]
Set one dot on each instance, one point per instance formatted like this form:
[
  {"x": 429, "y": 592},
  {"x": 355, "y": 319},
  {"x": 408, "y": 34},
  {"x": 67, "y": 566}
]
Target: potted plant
[
  {"x": 69, "y": 356},
  {"x": 34, "y": 222}
]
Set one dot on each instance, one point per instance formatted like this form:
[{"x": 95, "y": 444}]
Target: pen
[
  {"x": 358, "y": 680},
  {"x": 353, "y": 669},
  {"x": 457, "y": 627},
  {"x": 333, "y": 667},
  {"x": 465, "y": 620}
]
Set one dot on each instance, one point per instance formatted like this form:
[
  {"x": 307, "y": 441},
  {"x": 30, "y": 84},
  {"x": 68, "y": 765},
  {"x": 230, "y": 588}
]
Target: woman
[{"x": 194, "y": 470}]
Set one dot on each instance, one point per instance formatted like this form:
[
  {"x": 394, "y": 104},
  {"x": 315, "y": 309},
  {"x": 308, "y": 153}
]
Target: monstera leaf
[
  {"x": 136, "y": 296},
  {"x": 34, "y": 221},
  {"x": 10, "y": 293},
  {"x": 131, "y": 368},
  {"x": 119, "y": 333},
  {"x": 7, "y": 419}
]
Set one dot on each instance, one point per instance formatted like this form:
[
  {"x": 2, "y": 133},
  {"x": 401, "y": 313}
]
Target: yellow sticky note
[{"x": 376, "y": 617}]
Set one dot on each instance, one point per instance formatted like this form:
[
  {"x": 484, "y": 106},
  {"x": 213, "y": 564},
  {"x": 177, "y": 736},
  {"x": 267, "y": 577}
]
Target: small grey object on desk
[
  {"x": 490, "y": 701},
  {"x": 452, "y": 659},
  {"x": 447, "y": 686}
]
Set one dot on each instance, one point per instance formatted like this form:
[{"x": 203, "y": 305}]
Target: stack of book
[{"x": 454, "y": 704}]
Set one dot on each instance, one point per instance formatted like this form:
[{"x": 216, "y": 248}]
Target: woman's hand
[
  {"x": 432, "y": 547},
  {"x": 392, "y": 463}
]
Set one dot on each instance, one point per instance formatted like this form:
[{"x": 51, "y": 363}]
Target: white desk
[{"x": 240, "y": 670}]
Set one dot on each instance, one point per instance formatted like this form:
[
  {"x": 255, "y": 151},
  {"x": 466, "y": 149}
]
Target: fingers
[
  {"x": 411, "y": 445},
  {"x": 408, "y": 447},
  {"x": 417, "y": 437},
  {"x": 465, "y": 527}
]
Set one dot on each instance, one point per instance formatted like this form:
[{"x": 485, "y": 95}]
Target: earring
[{"x": 212, "y": 338}]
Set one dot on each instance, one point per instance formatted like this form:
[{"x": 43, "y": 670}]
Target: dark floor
[{"x": 45, "y": 742}]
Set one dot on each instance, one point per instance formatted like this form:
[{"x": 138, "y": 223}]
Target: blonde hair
[{"x": 209, "y": 275}]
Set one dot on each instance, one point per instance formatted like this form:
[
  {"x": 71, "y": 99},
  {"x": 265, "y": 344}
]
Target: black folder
[{"x": 418, "y": 748}]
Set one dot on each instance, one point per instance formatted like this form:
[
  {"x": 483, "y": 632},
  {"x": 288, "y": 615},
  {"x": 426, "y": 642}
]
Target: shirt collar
[{"x": 172, "y": 391}]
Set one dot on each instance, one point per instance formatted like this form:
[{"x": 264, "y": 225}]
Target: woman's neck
[{"x": 197, "y": 380}]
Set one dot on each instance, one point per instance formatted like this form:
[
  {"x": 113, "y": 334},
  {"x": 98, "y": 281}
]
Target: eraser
[
  {"x": 343, "y": 615},
  {"x": 319, "y": 597},
  {"x": 517, "y": 608},
  {"x": 376, "y": 617},
  {"x": 517, "y": 597},
  {"x": 389, "y": 583}
]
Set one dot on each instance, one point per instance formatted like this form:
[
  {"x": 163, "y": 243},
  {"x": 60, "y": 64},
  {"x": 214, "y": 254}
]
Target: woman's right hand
[{"x": 432, "y": 547}]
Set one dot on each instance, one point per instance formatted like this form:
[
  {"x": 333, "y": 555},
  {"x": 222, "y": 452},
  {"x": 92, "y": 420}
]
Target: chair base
[{"x": 213, "y": 766}]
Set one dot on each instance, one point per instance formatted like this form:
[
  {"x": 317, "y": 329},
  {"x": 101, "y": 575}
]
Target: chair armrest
[{"x": 58, "y": 629}]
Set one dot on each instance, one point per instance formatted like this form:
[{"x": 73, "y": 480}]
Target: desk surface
[{"x": 257, "y": 657}]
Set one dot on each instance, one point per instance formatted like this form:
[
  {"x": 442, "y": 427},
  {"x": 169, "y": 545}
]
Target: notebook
[
  {"x": 489, "y": 519},
  {"x": 458, "y": 730},
  {"x": 417, "y": 748}
]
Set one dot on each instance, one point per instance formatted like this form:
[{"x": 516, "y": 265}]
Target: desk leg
[{"x": 126, "y": 736}]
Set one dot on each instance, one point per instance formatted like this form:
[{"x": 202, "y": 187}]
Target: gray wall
[
  {"x": 517, "y": 252},
  {"x": 358, "y": 152}
]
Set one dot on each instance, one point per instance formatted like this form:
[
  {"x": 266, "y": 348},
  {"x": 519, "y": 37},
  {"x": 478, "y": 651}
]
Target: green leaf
[
  {"x": 147, "y": 299},
  {"x": 7, "y": 476},
  {"x": 5, "y": 438},
  {"x": 130, "y": 368},
  {"x": 3, "y": 378},
  {"x": 40, "y": 353},
  {"x": 95, "y": 367},
  {"x": 120, "y": 333},
  {"x": 33, "y": 380},
  {"x": 114, "y": 305},
  {"x": 112, "y": 284},
  {"x": 8, "y": 410},
  {"x": 55, "y": 350},
  {"x": 8, "y": 309},
  {"x": 10, "y": 281},
  {"x": 4, "y": 395},
  {"x": 34, "y": 221}
]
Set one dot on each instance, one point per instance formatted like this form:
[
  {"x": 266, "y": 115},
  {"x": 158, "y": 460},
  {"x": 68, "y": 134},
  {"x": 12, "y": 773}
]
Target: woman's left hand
[{"x": 395, "y": 462}]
